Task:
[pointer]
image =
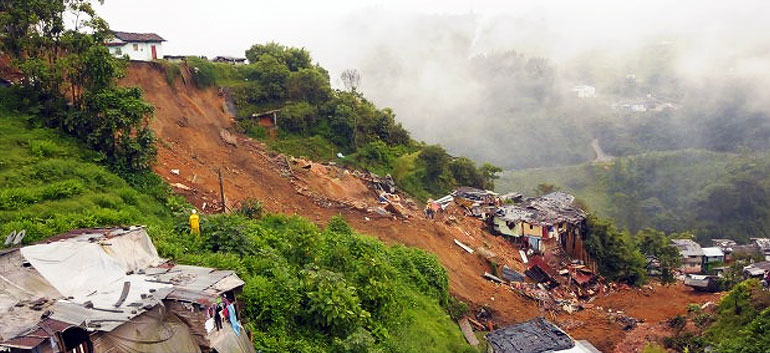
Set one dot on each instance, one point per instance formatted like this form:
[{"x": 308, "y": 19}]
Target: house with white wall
[{"x": 137, "y": 46}]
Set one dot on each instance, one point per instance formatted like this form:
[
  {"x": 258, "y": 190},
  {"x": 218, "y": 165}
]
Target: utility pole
[{"x": 221, "y": 190}]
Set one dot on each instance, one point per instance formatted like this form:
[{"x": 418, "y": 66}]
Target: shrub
[{"x": 251, "y": 208}]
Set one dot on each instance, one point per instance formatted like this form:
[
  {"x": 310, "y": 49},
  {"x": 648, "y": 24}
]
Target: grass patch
[
  {"x": 50, "y": 185},
  {"x": 313, "y": 147}
]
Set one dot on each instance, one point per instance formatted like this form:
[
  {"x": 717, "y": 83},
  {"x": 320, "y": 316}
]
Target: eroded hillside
[{"x": 196, "y": 139}]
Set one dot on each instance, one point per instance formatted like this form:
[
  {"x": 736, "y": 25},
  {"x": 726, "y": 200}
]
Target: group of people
[
  {"x": 431, "y": 208},
  {"x": 224, "y": 309}
]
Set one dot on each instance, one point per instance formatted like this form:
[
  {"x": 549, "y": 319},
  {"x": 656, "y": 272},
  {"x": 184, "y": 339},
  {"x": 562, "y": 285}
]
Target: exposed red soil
[{"x": 190, "y": 125}]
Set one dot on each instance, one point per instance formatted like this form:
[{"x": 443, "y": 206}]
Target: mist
[{"x": 493, "y": 80}]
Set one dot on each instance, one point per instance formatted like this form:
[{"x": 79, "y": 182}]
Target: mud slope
[
  {"x": 194, "y": 131},
  {"x": 189, "y": 124}
]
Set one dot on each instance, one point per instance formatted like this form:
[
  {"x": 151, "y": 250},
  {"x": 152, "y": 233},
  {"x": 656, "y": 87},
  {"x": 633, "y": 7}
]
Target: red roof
[{"x": 137, "y": 37}]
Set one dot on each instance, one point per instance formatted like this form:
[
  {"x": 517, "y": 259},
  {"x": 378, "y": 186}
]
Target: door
[{"x": 154, "y": 53}]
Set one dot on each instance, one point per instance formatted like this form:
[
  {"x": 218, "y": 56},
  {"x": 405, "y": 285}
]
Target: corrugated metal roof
[
  {"x": 688, "y": 247},
  {"x": 549, "y": 209},
  {"x": 534, "y": 336},
  {"x": 148, "y": 285},
  {"x": 712, "y": 252}
]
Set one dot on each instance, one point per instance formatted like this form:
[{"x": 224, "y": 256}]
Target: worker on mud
[
  {"x": 428, "y": 209},
  {"x": 195, "y": 223}
]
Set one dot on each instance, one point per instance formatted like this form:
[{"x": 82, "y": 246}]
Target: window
[
  {"x": 118, "y": 51},
  {"x": 531, "y": 226},
  {"x": 136, "y": 47}
]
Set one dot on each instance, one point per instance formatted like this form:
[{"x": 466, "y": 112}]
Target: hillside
[
  {"x": 51, "y": 184},
  {"x": 712, "y": 194},
  {"x": 191, "y": 139}
]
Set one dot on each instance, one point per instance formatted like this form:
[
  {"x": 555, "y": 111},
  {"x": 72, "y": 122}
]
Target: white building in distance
[
  {"x": 137, "y": 46},
  {"x": 584, "y": 91}
]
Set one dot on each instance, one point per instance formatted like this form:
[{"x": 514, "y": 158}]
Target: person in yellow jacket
[{"x": 195, "y": 223}]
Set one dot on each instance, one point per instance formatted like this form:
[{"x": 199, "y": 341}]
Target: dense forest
[{"x": 711, "y": 194}]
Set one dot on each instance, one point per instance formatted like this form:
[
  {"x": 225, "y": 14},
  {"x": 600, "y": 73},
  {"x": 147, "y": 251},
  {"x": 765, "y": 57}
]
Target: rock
[{"x": 175, "y": 171}]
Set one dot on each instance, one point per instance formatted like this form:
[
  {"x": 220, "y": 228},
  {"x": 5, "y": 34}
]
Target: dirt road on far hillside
[{"x": 194, "y": 132}]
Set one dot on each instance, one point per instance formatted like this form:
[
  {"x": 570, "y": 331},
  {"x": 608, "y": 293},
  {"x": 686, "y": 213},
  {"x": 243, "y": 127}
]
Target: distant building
[
  {"x": 712, "y": 256},
  {"x": 763, "y": 244},
  {"x": 229, "y": 60},
  {"x": 692, "y": 255},
  {"x": 645, "y": 104},
  {"x": 757, "y": 270},
  {"x": 181, "y": 58},
  {"x": 535, "y": 336},
  {"x": 584, "y": 91},
  {"x": 137, "y": 46}
]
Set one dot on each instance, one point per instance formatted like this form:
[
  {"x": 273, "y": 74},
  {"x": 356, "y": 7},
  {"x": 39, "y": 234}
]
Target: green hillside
[
  {"x": 709, "y": 193},
  {"x": 50, "y": 183},
  {"x": 307, "y": 289}
]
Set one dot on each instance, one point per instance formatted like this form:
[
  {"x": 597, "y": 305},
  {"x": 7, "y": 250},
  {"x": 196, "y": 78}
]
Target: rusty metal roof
[{"x": 137, "y": 37}]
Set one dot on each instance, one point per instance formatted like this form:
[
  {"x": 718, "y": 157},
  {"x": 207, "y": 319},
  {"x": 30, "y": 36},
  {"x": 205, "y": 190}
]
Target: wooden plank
[
  {"x": 523, "y": 256},
  {"x": 465, "y": 247},
  {"x": 465, "y": 327},
  {"x": 123, "y": 294}
]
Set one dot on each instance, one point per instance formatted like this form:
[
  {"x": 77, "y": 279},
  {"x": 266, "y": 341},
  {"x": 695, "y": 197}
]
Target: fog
[{"x": 493, "y": 80}]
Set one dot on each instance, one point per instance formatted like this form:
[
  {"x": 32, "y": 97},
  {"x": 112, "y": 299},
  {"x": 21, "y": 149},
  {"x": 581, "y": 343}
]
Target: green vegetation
[
  {"x": 318, "y": 122},
  {"x": 615, "y": 253},
  {"x": 50, "y": 184},
  {"x": 70, "y": 79},
  {"x": 739, "y": 324},
  {"x": 307, "y": 289},
  {"x": 314, "y": 290},
  {"x": 713, "y": 195}
]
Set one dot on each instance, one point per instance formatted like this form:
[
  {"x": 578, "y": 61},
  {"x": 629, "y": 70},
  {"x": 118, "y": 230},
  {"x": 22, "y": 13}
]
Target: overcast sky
[
  {"x": 413, "y": 53},
  {"x": 228, "y": 27}
]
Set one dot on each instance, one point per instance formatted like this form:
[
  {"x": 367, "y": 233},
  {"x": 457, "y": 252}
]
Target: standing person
[
  {"x": 218, "y": 317},
  {"x": 195, "y": 223}
]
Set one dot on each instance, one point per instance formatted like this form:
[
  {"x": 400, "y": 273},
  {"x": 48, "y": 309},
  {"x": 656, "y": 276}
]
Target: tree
[
  {"x": 294, "y": 59},
  {"x": 56, "y": 61},
  {"x": 464, "y": 172},
  {"x": 435, "y": 159},
  {"x": 657, "y": 244},
  {"x": 308, "y": 85},
  {"x": 489, "y": 174},
  {"x": 618, "y": 260},
  {"x": 351, "y": 79}
]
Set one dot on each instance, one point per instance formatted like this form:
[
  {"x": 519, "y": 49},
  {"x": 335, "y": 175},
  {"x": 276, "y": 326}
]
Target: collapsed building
[
  {"x": 537, "y": 220},
  {"x": 107, "y": 290},
  {"x": 478, "y": 202}
]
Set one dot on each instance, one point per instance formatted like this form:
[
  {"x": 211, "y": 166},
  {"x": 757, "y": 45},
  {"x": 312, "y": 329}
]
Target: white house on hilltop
[{"x": 137, "y": 46}]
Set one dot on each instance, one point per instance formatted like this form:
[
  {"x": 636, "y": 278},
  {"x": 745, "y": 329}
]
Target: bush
[
  {"x": 202, "y": 72},
  {"x": 171, "y": 71},
  {"x": 251, "y": 208}
]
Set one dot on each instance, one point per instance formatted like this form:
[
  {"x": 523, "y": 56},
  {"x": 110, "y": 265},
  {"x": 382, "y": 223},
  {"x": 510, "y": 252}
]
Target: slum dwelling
[
  {"x": 107, "y": 290},
  {"x": 551, "y": 218}
]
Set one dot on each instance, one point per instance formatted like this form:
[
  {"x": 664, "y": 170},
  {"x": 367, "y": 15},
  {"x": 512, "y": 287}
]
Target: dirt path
[
  {"x": 601, "y": 157},
  {"x": 192, "y": 127}
]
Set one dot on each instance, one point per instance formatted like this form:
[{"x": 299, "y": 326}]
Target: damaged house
[
  {"x": 692, "y": 255},
  {"x": 540, "y": 219},
  {"x": 107, "y": 290},
  {"x": 478, "y": 202}
]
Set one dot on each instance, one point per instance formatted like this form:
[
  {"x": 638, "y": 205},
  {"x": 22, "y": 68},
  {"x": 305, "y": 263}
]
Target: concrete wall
[{"x": 138, "y": 51}]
